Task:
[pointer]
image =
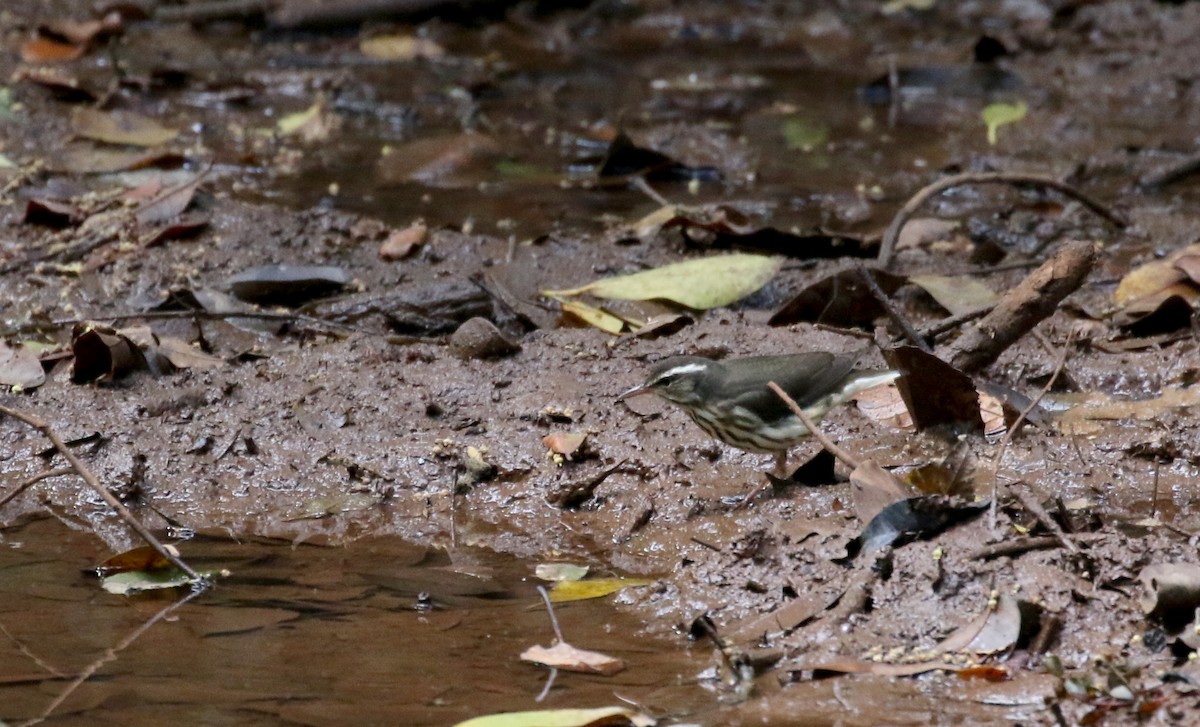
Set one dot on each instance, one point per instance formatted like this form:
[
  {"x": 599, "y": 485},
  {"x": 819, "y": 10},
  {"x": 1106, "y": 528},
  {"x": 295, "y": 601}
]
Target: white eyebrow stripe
[{"x": 688, "y": 368}]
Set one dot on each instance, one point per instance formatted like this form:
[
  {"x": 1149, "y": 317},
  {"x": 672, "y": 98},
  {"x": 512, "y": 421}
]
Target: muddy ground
[{"x": 353, "y": 414}]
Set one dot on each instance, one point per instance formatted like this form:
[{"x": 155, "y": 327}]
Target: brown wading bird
[{"x": 731, "y": 401}]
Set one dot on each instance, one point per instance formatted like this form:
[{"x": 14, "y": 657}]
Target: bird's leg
[{"x": 781, "y": 464}]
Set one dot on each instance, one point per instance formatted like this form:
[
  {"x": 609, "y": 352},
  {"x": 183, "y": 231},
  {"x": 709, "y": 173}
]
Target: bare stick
[
  {"x": 81, "y": 469},
  {"x": 892, "y": 312},
  {"x": 1044, "y": 518},
  {"x": 1033, "y": 300},
  {"x": 888, "y": 246},
  {"x": 30, "y": 482},
  {"x": 934, "y": 330},
  {"x": 813, "y": 429},
  {"x": 1008, "y": 435},
  {"x": 107, "y": 656},
  {"x": 558, "y": 634}
]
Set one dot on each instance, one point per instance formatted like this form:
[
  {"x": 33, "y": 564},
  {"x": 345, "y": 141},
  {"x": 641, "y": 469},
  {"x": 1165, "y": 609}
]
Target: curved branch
[{"x": 887, "y": 247}]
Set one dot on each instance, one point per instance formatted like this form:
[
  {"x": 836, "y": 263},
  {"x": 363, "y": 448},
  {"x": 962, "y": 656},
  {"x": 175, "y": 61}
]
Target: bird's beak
[{"x": 635, "y": 391}]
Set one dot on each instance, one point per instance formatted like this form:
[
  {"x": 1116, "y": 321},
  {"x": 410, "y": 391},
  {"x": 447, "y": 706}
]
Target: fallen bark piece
[{"x": 1034, "y": 299}]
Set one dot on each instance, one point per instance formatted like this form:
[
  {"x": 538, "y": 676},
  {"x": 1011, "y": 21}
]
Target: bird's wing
[{"x": 805, "y": 377}]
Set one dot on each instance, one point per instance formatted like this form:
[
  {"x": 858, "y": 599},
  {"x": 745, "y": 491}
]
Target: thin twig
[
  {"x": 813, "y": 429},
  {"x": 1008, "y": 435},
  {"x": 81, "y": 469},
  {"x": 934, "y": 330},
  {"x": 1044, "y": 518},
  {"x": 558, "y": 634},
  {"x": 892, "y": 312},
  {"x": 30, "y": 482},
  {"x": 108, "y": 655},
  {"x": 888, "y": 246}
]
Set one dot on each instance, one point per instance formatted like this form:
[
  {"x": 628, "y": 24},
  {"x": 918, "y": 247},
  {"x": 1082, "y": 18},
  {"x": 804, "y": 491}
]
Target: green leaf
[
  {"x": 551, "y": 718},
  {"x": 804, "y": 134},
  {"x": 560, "y": 571},
  {"x": 998, "y": 114},
  {"x": 709, "y": 282}
]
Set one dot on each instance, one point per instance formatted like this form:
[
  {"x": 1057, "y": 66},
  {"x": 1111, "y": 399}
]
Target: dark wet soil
[{"x": 356, "y": 419}]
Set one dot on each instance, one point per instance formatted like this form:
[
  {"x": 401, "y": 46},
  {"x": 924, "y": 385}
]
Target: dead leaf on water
[
  {"x": 312, "y": 125},
  {"x": 570, "y": 658},
  {"x": 701, "y": 284},
  {"x": 120, "y": 127},
  {"x": 1094, "y": 408},
  {"x": 560, "y": 571}
]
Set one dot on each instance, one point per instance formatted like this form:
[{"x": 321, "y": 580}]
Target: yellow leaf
[
  {"x": 551, "y": 718},
  {"x": 998, "y": 114},
  {"x": 565, "y": 591},
  {"x": 709, "y": 282},
  {"x": 593, "y": 316}
]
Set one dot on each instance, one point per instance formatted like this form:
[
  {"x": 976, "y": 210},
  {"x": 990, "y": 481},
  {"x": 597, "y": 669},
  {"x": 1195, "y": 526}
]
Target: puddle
[{"x": 376, "y": 632}]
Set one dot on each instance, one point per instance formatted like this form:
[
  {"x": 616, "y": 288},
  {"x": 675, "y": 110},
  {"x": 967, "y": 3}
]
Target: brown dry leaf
[
  {"x": 103, "y": 354},
  {"x": 120, "y": 127},
  {"x": 569, "y": 658},
  {"x": 141, "y": 558},
  {"x": 956, "y": 293},
  {"x": 593, "y": 316},
  {"x": 48, "y": 50},
  {"x": 934, "y": 391},
  {"x": 166, "y": 204},
  {"x": 955, "y": 474},
  {"x": 883, "y": 404},
  {"x": 401, "y": 47},
  {"x": 991, "y": 411},
  {"x": 403, "y": 243},
  {"x": 873, "y": 488},
  {"x": 1160, "y": 276},
  {"x": 87, "y": 158},
  {"x": 794, "y": 613},
  {"x": 996, "y": 629},
  {"x": 1087, "y": 416},
  {"x": 183, "y": 355},
  {"x": 20, "y": 367},
  {"x": 564, "y": 443}
]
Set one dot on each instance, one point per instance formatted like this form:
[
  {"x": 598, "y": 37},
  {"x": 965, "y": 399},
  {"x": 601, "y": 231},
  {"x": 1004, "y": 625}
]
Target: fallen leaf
[
  {"x": 311, "y": 125},
  {"x": 564, "y": 443},
  {"x": 998, "y": 114},
  {"x": 852, "y": 665},
  {"x": 884, "y": 404},
  {"x": 20, "y": 367},
  {"x": 701, "y": 284},
  {"x": 458, "y": 160},
  {"x": 904, "y": 521},
  {"x": 142, "y": 558},
  {"x": 569, "y": 658},
  {"x": 593, "y": 316},
  {"x": 566, "y": 591},
  {"x": 996, "y": 629},
  {"x": 403, "y": 243},
  {"x": 131, "y": 582},
  {"x": 625, "y": 158},
  {"x": 120, "y": 127},
  {"x": 1160, "y": 276},
  {"x": 872, "y": 489},
  {"x": 841, "y": 299},
  {"x": 104, "y": 354},
  {"x": 1170, "y": 589},
  {"x": 400, "y": 48},
  {"x": 560, "y": 571},
  {"x": 958, "y": 293},
  {"x": 600, "y": 717},
  {"x": 48, "y": 50},
  {"x": 934, "y": 392},
  {"x": 1087, "y": 415},
  {"x": 168, "y": 203},
  {"x": 287, "y": 284}
]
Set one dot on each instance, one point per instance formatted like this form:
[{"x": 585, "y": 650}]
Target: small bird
[{"x": 730, "y": 399}]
